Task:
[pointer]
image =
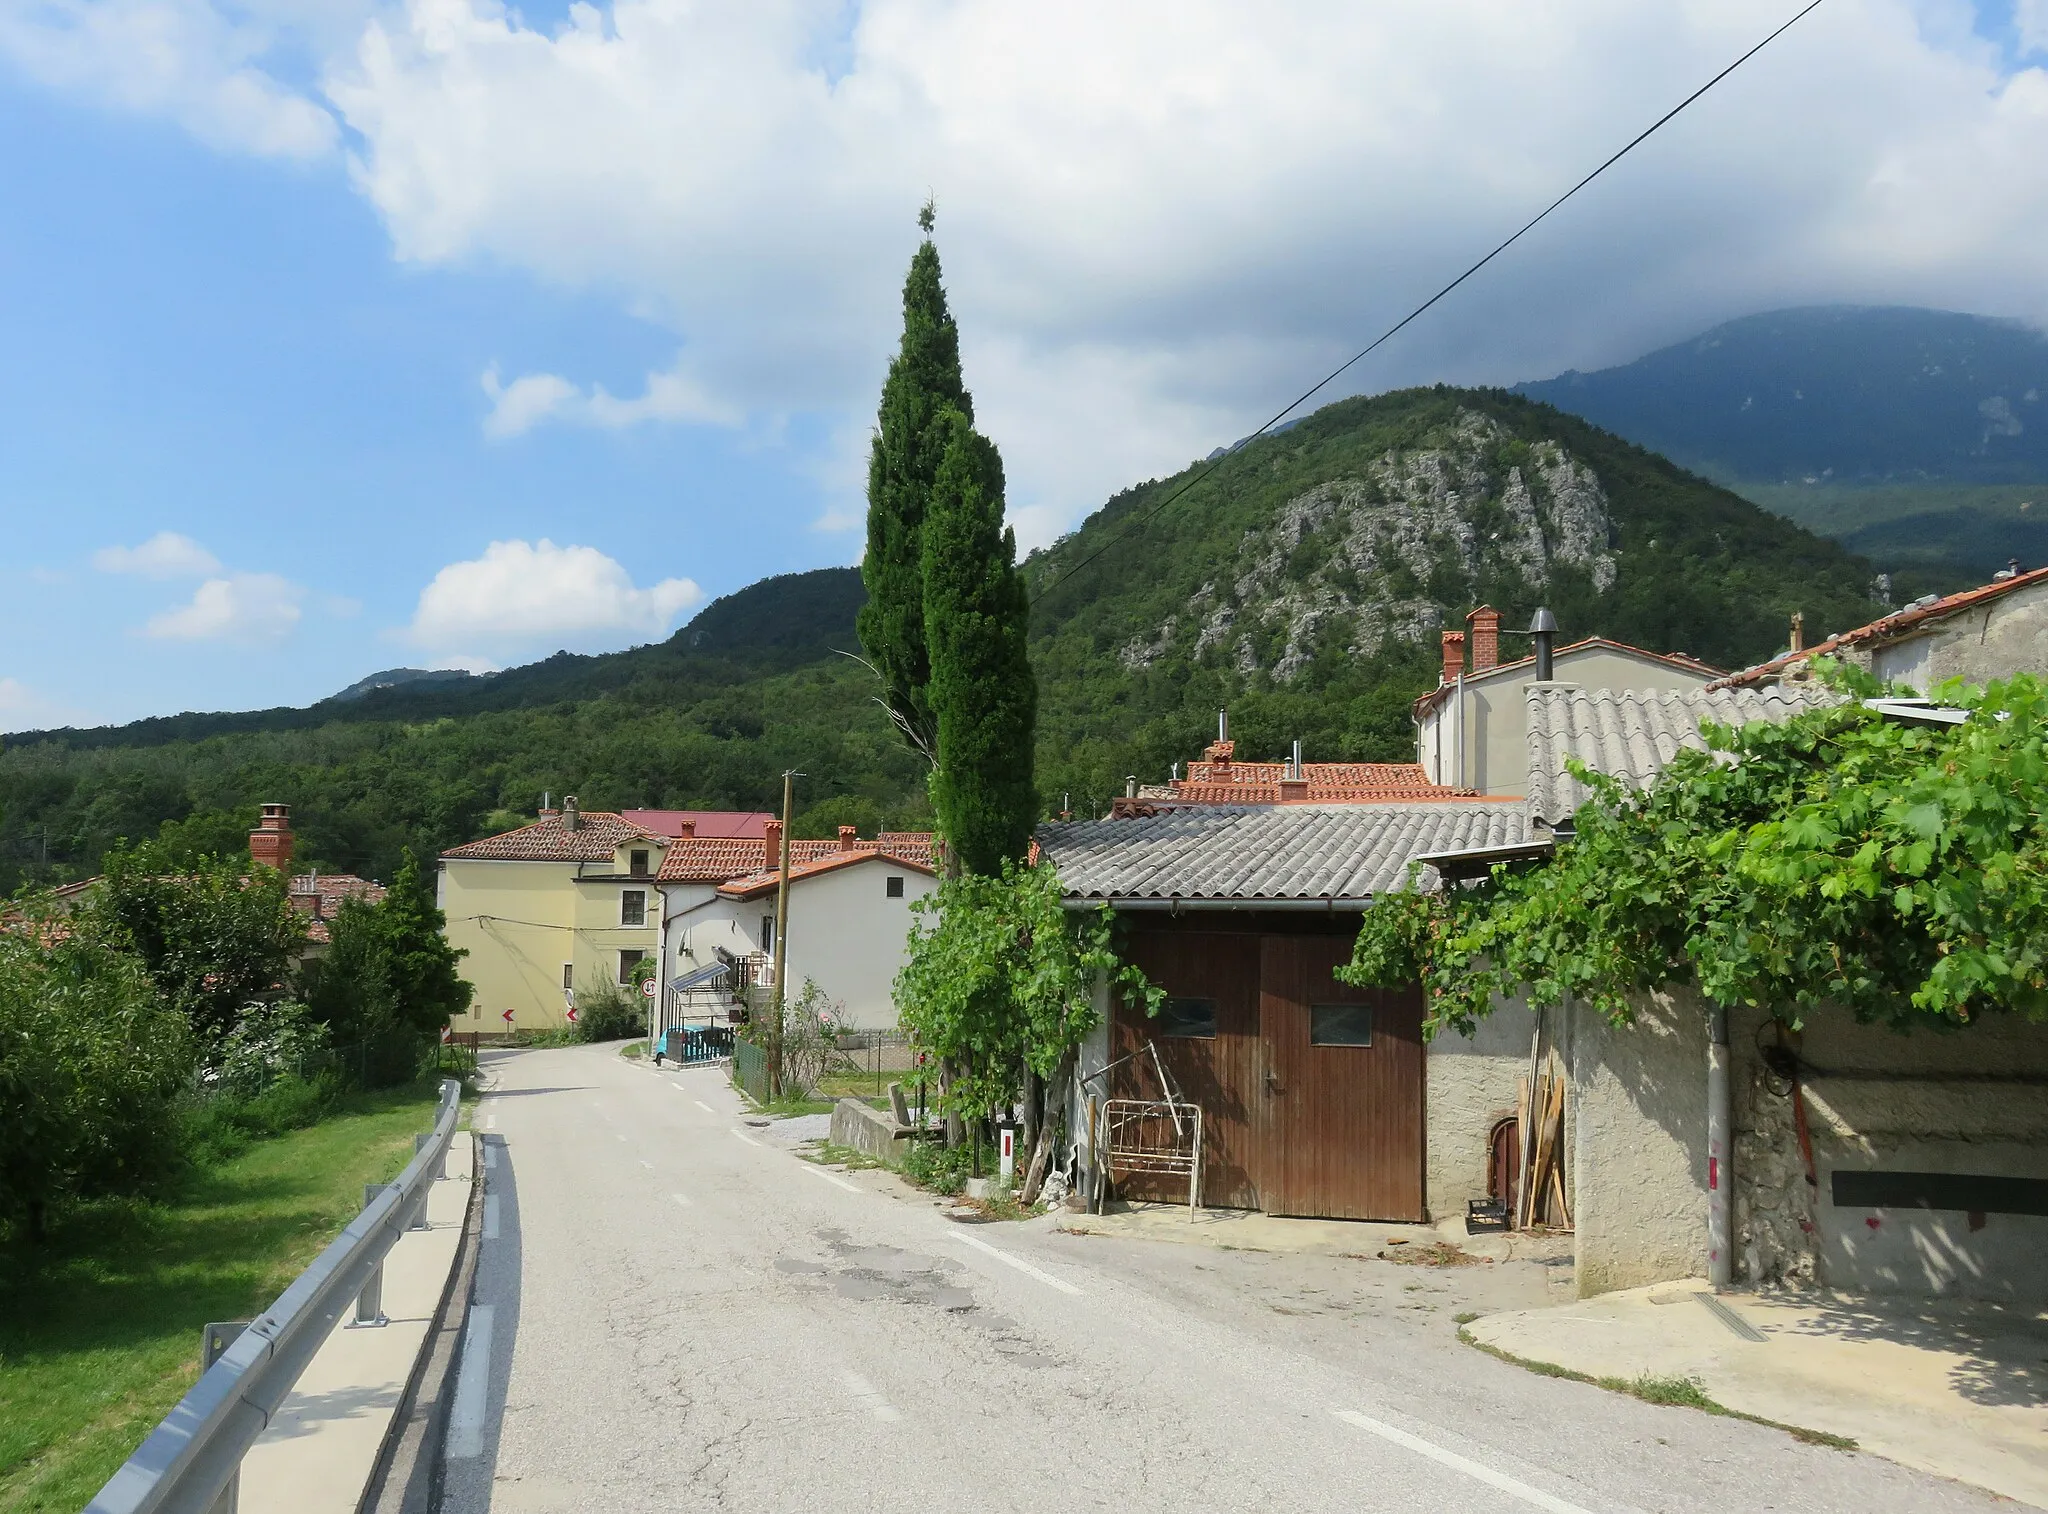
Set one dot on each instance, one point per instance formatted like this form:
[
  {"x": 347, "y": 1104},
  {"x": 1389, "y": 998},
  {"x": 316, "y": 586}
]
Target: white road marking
[
  {"x": 1477, "y": 1471},
  {"x": 870, "y": 1397},
  {"x": 472, "y": 1388},
  {"x": 833, "y": 1178},
  {"x": 681, "y": 1198},
  {"x": 745, "y": 1137},
  {"x": 491, "y": 1120},
  {"x": 491, "y": 1156},
  {"x": 490, "y": 1216},
  {"x": 699, "y": 1103},
  {"x": 622, "y": 1135},
  {"x": 647, "y": 1164},
  {"x": 1020, "y": 1264}
]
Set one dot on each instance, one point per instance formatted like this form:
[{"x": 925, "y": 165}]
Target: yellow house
[{"x": 564, "y": 904}]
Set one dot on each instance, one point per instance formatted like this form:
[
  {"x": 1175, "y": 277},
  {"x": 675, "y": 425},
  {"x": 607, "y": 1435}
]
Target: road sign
[
  {"x": 447, "y": 1035},
  {"x": 647, "y": 988},
  {"x": 570, "y": 1014},
  {"x": 506, "y": 1017}
]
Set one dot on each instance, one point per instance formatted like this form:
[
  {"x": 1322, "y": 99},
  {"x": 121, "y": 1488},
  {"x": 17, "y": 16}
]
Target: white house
[{"x": 849, "y": 918}]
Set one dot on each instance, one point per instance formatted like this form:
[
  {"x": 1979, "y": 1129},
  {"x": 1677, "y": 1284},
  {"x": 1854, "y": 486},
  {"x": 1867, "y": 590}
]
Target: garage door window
[
  {"x": 1189, "y": 1019},
  {"x": 1340, "y": 1025}
]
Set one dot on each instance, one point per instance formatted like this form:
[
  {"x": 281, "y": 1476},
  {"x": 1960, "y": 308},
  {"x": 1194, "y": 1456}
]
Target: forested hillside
[{"x": 1302, "y": 582}]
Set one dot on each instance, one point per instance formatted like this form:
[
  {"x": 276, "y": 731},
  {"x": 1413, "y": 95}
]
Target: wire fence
[{"x": 750, "y": 1070}]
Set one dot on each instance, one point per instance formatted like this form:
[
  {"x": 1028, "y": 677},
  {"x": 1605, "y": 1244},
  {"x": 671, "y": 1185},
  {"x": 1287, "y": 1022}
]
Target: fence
[
  {"x": 750, "y": 1070},
  {"x": 195, "y": 1456}
]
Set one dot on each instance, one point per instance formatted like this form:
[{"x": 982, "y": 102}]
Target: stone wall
[{"x": 1470, "y": 1085}]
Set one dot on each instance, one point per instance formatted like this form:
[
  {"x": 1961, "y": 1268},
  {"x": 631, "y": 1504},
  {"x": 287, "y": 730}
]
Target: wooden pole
[{"x": 781, "y": 945}]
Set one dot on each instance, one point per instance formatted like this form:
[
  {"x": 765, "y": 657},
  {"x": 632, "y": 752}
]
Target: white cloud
[
  {"x": 2030, "y": 20},
  {"x": 1160, "y": 218},
  {"x": 243, "y": 607},
  {"x": 521, "y": 596},
  {"x": 535, "y": 397},
  {"x": 165, "y": 555},
  {"x": 197, "y": 63},
  {"x": 24, "y": 709}
]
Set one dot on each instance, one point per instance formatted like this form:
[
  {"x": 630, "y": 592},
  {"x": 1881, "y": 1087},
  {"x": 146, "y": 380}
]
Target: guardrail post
[
  {"x": 370, "y": 1302},
  {"x": 214, "y": 1341},
  {"x": 421, "y": 1143}
]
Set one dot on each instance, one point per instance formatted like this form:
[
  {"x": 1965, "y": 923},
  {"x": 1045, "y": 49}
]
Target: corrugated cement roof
[
  {"x": 1631, "y": 733},
  {"x": 1261, "y": 852}
]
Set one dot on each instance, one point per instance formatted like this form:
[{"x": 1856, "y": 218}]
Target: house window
[
  {"x": 895, "y": 886},
  {"x": 568, "y": 976},
  {"x": 628, "y": 960},
  {"x": 1188, "y": 1019},
  {"x": 1340, "y": 1025},
  {"x": 767, "y": 933},
  {"x": 633, "y": 907},
  {"x": 637, "y": 864}
]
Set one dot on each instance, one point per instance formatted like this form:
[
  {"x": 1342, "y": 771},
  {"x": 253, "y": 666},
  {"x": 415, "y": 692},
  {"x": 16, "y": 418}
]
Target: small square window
[
  {"x": 628, "y": 960},
  {"x": 637, "y": 863},
  {"x": 1340, "y": 1025},
  {"x": 1188, "y": 1019},
  {"x": 895, "y": 886},
  {"x": 568, "y": 975},
  {"x": 633, "y": 906}
]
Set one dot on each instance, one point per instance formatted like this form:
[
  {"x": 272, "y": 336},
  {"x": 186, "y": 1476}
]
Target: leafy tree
[
  {"x": 426, "y": 984},
  {"x": 982, "y": 690},
  {"x": 92, "y": 1064},
  {"x": 213, "y": 932},
  {"x": 924, "y": 383},
  {"x": 1899, "y": 871},
  {"x": 1001, "y": 980}
]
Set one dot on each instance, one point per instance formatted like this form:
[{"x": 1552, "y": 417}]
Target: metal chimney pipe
[
  {"x": 1543, "y": 633},
  {"x": 1223, "y": 725},
  {"x": 1294, "y": 767}
]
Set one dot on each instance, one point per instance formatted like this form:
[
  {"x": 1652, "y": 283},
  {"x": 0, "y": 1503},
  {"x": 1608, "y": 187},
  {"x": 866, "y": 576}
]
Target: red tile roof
[
  {"x": 597, "y": 837},
  {"x": 753, "y": 885},
  {"x": 708, "y": 824},
  {"x": 1320, "y": 783},
  {"x": 1898, "y": 623},
  {"x": 720, "y": 859},
  {"x": 319, "y": 895},
  {"x": 1680, "y": 660}
]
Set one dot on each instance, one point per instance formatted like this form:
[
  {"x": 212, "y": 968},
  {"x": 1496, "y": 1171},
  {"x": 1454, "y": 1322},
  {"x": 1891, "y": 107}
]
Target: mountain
[
  {"x": 1916, "y": 437},
  {"x": 1301, "y": 580},
  {"x": 391, "y": 678}
]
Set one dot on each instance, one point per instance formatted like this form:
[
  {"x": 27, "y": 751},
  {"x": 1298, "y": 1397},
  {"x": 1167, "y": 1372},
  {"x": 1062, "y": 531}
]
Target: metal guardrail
[{"x": 191, "y": 1462}]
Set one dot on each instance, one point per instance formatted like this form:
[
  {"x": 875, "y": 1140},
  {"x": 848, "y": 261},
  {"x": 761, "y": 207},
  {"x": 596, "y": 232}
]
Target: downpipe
[{"x": 1720, "y": 1120}]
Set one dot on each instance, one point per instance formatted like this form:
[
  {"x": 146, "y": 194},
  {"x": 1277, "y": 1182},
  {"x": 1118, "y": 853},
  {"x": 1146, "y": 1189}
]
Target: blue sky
[{"x": 345, "y": 334}]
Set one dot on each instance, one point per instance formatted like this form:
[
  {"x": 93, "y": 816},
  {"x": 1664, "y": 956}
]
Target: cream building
[{"x": 563, "y": 904}]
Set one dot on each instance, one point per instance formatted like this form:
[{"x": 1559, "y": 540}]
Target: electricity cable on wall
[{"x": 1394, "y": 330}]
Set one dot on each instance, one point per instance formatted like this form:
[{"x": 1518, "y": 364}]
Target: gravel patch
[{"x": 798, "y": 1129}]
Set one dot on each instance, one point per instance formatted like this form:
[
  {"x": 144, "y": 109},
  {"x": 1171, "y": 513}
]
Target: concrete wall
[
  {"x": 1973, "y": 1101},
  {"x": 1639, "y": 1101},
  {"x": 1470, "y": 1085},
  {"x": 2008, "y": 635},
  {"x": 1496, "y": 753}
]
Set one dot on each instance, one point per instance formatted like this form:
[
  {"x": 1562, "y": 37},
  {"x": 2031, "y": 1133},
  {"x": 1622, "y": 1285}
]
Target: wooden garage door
[
  {"x": 1343, "y": 1088},
  {"x": 1208, "y": 974}
]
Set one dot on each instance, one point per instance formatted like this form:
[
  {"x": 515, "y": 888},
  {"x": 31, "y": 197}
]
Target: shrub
[
  {"x": 609, "y": 1012},
  {"x": 940, "y": 1168},
  {"x": 270, "y": 1042},
  {"x": 93, "y": 1064},
  {"x": 222, "y": 1127}
]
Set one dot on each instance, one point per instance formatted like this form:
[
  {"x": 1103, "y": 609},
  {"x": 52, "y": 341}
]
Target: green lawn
[{"x": 99, "y": 1330}]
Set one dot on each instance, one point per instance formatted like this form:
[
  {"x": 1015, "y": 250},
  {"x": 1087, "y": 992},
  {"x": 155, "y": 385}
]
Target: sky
[{"x": 338, "y": 335}]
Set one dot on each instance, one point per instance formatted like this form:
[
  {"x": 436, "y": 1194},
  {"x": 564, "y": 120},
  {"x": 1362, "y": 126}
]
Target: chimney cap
[{"x": 1542, "y": 622}]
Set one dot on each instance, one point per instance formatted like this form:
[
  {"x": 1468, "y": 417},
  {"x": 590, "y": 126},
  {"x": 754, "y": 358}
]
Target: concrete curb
[{"x": 407, "y": 1476}]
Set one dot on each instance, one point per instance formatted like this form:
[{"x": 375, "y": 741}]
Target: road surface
[{"x": 676, "y": 1313}]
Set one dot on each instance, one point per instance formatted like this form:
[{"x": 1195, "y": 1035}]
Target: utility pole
[{"x": 781, "y": 943}]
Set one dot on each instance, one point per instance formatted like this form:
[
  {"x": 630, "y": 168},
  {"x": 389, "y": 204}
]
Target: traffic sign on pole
[
  {"x": 507, "y": 1017},
  {"x": 647, "y": 988}
]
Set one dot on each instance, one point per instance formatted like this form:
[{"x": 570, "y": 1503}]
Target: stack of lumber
[{"x": 1540, "y": 1194}]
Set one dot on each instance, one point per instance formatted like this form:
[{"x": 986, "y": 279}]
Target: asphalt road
[{"x": 678, "y": 1314}]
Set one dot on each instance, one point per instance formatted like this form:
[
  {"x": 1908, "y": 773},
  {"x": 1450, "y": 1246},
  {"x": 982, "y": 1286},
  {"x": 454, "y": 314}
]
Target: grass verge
[
  {"x": 99, "y": 1327},
  {"x": 1675, "y": 1392}
]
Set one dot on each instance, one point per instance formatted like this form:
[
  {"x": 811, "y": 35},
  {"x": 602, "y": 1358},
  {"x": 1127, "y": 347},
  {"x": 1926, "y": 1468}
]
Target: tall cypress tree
[
  {"x": 924, "y": 382},
  {"x": 982, "y": 690}
]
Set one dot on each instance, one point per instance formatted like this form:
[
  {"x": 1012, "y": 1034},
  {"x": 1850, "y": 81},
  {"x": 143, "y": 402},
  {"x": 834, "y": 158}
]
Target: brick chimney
[
  {"x": 271, "y": 842},
  {"x": 1485, "y": 624},
  {"x": 848, "y": 834},
  {"x": 771, "y": 846},
  {"x": 687, "y": 831},
  {"x": 571, "y": 816},
  {"x": 1454, "y": 655}
]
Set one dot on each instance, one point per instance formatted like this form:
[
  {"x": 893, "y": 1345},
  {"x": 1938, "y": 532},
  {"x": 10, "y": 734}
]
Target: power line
[{"x": 1335, "y": 373}]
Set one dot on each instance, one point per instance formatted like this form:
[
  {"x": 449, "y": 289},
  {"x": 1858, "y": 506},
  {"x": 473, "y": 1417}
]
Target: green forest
[{"x": 764, "y": 680}]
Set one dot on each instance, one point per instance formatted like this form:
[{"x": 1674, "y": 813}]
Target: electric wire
[{"x": 1334, "y": 374}]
